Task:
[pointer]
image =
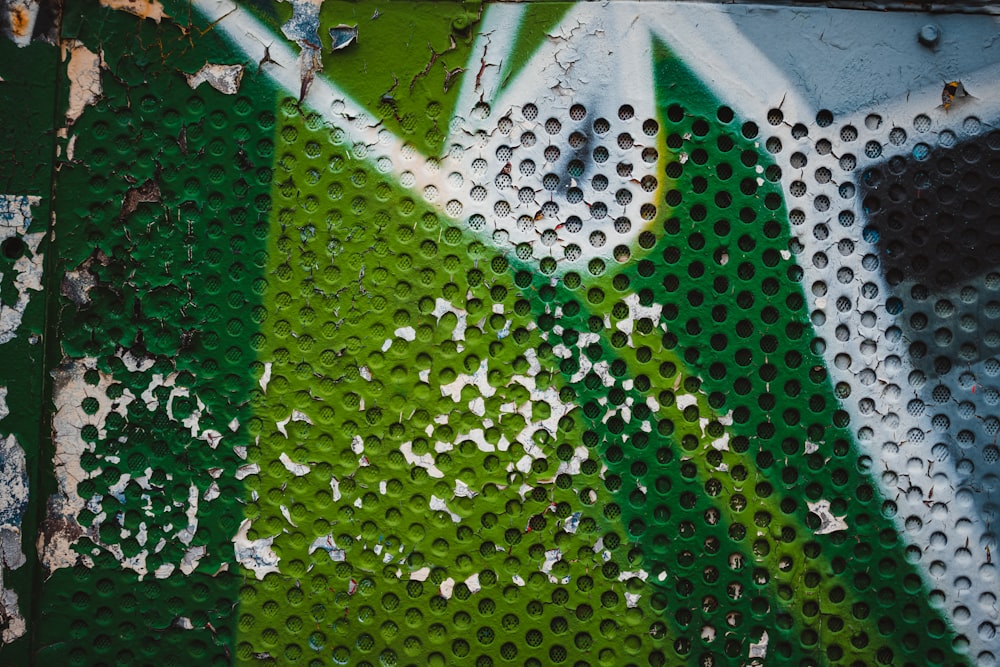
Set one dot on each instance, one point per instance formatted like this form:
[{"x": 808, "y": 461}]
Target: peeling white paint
[
  {"x": 144, "y": 9},
  {"x": 439, "y": 505},
  {"x": 303, "y": 29},
  {"x": 84, "y": 73},
  {"x": 758, "y": 650},
  {"x": 828, "y": 522},
  {"x": 297, "y": 469},
  {"x": 61, "y": 528},
  {"x": 406, "y": 333},
  {"x": 224, "y": 78},
  {"x": 462, "y": 490},
  {"x": 187, "y": 534},
  {"x": 132, "y": 362},
  {"x": 14, "y": 494},
  {"x": 256, "y": 555},
  {"x": 15, "y": 218},
  {"x": 266, "y": 377},
  {"x": 447, "y": 588},
  {"x": 478, "y": 379},
  {"x": 442, "y": 306},
  {"x": 191, "y": 558},
  {"x": 246, "y": 470},
  {"x": 212, "y": 492},
  {"x": 327, "y": 544}
]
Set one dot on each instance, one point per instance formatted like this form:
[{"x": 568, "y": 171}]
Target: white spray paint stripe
[{"x": 250, "y": 35}]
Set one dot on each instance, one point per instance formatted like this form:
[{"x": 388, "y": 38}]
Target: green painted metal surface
[{"x": 401, "y": 333}]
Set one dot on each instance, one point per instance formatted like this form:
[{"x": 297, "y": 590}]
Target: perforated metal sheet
[{"x": 431, "y": 334}]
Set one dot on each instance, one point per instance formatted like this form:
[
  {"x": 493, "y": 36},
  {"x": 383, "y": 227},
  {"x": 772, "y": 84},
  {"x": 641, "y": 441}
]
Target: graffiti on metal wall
[{"x": 424, "y": 333}]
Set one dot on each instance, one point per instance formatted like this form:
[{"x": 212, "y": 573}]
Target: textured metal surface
[{"x": 423, "y": 333}]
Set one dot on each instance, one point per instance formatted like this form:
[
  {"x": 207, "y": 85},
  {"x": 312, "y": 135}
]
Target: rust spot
[
  {"x": 148, "y": 192},
  {"x": 19, "y": 21}
]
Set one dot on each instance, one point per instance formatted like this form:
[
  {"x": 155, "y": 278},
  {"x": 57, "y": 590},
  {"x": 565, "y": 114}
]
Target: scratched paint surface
[{"x": 460, "y": 333}]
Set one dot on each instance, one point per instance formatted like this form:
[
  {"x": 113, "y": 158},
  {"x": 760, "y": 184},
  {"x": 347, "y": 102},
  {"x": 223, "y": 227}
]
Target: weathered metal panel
[{"x": 521, "y": 333}]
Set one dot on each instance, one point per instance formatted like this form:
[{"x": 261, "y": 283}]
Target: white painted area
[
  {"x": 297, "y": 469},
  {"x": 828, "y": 522},
  {"x": 441, "y": 307},
  {"x": 224, "y": 78},
  {"x": 439, "y": 505},
  {"x": 55, "y": 547},
  {"x": 84, "y": 73},
  {"x": 14, "y": 496},
  {"x": 462, "y": 490},
  {"x": 15, "y": 219},
  {"x": 758, "y": 650},
  {"x": 144, "y": 9},
  {"x": 246, "y": 470},
  {"x": 406, "y": 333},
  {"x": 477, "y": 379},
  {"x": 256, "y": 555},
  {"x": 189, "y": 563},
  {"x": 265, "y": 378},
  {"x": 327, "y": 544}
]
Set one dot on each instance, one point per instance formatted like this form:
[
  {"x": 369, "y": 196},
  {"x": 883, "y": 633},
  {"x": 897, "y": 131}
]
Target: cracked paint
[
  {"x": 84, "y": 73},
  {"x": 144, "y": 9},
  {"x": 21, "y": 16},
  {"x": 13, "y": 504},
  {"x": 224, "y": 78}
]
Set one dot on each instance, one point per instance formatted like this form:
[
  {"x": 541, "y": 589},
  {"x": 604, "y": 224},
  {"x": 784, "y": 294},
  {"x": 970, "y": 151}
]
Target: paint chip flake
[
  {"x": 256, "y": 555},
  {"x": 224, "y": 78},
  {"x": 144, "y": 9},
  {"x": 297, "y": 469}
]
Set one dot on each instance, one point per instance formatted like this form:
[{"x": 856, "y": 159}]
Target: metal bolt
[{"x": 929, "y": 35}]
